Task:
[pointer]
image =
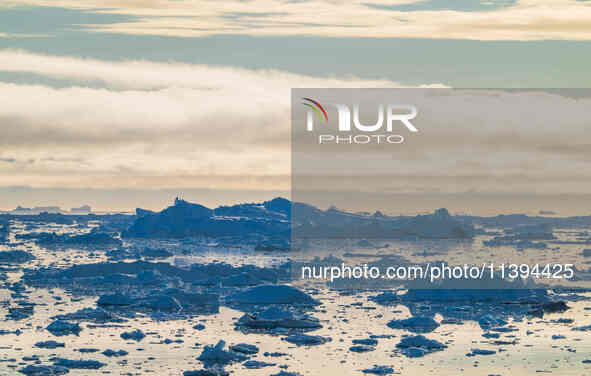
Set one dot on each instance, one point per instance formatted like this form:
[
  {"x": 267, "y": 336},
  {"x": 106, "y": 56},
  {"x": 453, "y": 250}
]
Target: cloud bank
[
  {"x": 143, "y": 124},
  {"x": 523, "y": 20},
  {"x": 139, "y": 125}
]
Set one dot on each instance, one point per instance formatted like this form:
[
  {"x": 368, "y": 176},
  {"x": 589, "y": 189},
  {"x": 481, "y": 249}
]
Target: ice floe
[
  {"x": 306, "y": 340},
  {"x": 63, "y": 328},
  {"x": 415, "y": 324},
  {"x": 272, "y": 294},
  {"x": 216, "y": 355},
  {"x": 418, "y": 346}
]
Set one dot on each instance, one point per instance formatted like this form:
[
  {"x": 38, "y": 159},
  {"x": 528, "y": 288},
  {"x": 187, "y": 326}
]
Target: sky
[
  {"x": 477, "y": 151},
  {"x": 125, "y": 103}
]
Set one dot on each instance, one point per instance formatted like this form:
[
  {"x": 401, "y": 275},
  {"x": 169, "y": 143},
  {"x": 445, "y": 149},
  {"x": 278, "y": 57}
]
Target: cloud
[
  {"x": 146, "y": 75},
  {"x": 138, "y": 124},
  {"x": 491, "y": 141},
  {"x": 150, "y": 124},
  {"x": 22, "y": 35},
  {"x": 524, "y": 20}
]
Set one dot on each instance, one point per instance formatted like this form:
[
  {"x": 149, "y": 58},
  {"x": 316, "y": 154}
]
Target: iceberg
[
  {"x": 415, "y": 324},
  {"x": 273, "y": 294}
]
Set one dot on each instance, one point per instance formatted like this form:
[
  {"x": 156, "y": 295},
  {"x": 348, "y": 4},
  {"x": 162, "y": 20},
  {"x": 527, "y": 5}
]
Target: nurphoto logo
[{"x": 388, "y": 114}]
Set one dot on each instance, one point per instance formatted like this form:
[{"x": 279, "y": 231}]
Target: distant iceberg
[
  {"x": 280, "y": 219},
  {"x": 84, "y": 209}
]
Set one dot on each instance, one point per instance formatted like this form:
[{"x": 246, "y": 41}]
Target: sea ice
[
  {"x": 63, "y": 328},
  {"x": 379, "y": 370},
  {"x": 111, "y": 353},
  {"x": 39, "y": 370},
  {"x": 15, "y": 257},
  {"x": 116, "y": 299},
  {"x": 418, "y": 346},
  {"x": 481, "y": 352},
  {"x": 77, "y": 364},
  {"x": 94, "y": 315},
  {"x": 273, "y": 294},
  {"x": 255, "y": 364},
  {"x": 275, "y": 317},
  {"x": 49, "y": 345},
  {"x": 245, "y": 348},
  {"x": 366, "y": 341},
  {"x": 306, "y": 340},
  {"x": 415, "y": 324},
  {"x": 136, "y": 335},
  {"x": 361, "y": 348}
]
